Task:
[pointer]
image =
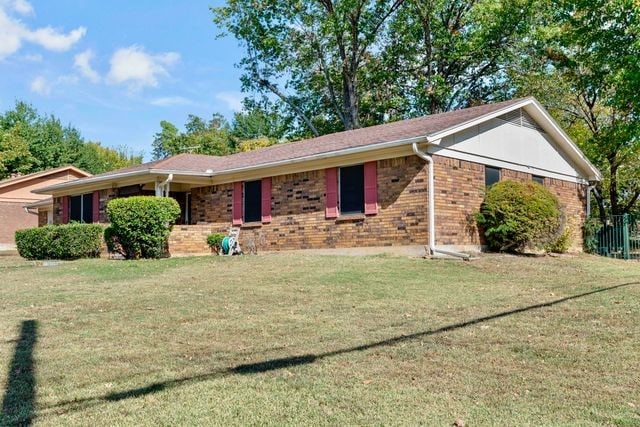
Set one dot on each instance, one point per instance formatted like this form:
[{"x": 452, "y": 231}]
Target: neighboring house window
[
  {"x": 538, "y": 179},
  {"x": 81, "y": 209},
  {"x": 252, "y": 201},
  {"x": 491, "y": 175},
  {"x": 351, "y": 196}
]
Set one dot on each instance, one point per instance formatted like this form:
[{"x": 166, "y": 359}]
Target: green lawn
[{"x": 300, "y": 339}]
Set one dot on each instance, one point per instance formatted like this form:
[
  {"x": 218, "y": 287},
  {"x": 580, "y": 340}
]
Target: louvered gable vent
[{"x": 520, "y": 117}]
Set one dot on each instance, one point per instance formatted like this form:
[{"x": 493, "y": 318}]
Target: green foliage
[
  {"x": 201, "y": 137},
  {"x": 214, "y": 241},
  {"x": 516, "y": 215},
  {"x": 336, "y": 65},
  {"x": 140, "y": 225},
  {"x": 31, "y": 142},
  {"x": 70, "y": 241},
  {"x": 15, "y": 157},
  {"x": 562, "y": 243},
  {"x": 591, "y": 228},
  {"x": 581, "y": 62},
  {"x": 98, "y": 159}
]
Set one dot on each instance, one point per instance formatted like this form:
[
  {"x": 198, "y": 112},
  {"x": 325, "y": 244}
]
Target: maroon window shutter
[
  {"x": 237, "y": 203},
  {"x": 370, "y": 188},
  {"x": 66, "y": 202},
  {"x": 96, "y": 206},
  {"x": 331, "y": 210},
  {"x": 266, "y": 200}
]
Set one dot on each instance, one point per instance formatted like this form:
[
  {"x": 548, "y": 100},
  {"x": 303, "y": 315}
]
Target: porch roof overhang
[
  {"x": 296, "y": 157},
  {"x": 144, "y": 176}
]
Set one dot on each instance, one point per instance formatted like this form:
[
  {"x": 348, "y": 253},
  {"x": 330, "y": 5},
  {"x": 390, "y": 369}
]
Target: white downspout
[
  {"x": 162, "y": 188},
  {"x": 432, "y": 207}
]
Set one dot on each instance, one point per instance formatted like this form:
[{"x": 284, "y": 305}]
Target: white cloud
[
  {"x": 136, "y": 68},
  {"x": 13, "y": 32},
  {"x": 169, "y": 101},
  {"x": 22, "y": 7},
  {"x": 232, "y": 99},
  {"x": 41, "y": 86},
  {"x": 52, "y": 39},
  {"x": 82, "y": 62}
]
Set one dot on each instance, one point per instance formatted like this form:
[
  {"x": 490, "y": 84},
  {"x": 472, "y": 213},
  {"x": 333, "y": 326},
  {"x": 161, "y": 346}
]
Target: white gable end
[{"x": 512, "y": 141}]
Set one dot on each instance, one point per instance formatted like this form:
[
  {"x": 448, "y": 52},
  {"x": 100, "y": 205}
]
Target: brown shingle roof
[
  {"x": 404, "y": 129},
  {"x": 21, "y": 178}
]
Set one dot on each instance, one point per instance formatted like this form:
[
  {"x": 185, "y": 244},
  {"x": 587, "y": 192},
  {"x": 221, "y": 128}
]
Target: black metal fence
[{"x": 620, "y": 237}]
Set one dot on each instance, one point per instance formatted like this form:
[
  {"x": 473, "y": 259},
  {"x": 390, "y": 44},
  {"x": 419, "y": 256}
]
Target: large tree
[
  {"x": 31, "y": 142},
  {"x": 582, "y": 62},
  {"x": 200, "y": 137},
  {"x": 343, "y": 64}
]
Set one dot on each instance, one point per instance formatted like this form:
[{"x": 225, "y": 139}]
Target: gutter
[
  {"x": 319, "y": 156},
  {"x": 433, "y": 249}
]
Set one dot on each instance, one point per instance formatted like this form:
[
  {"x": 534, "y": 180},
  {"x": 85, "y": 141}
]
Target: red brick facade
[
  {"x": 298, "y": 210},
  {"x": 13, "y": 217}
]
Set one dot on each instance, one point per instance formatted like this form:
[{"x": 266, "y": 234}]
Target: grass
[{"x": 287, "y": 339}]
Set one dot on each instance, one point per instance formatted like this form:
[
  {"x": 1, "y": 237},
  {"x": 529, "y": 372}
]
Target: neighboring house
[
  {"x": 367, "y": 187},
  {"x": 16, "y": 192}
]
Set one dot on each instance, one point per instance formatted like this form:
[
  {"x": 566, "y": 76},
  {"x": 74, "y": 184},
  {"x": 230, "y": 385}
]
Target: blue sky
[{"x": 115, "y": 69}]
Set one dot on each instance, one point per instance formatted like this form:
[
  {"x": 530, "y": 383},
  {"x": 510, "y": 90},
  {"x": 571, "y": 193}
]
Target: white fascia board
[
  {"x": 566, "y": 142},
  {"x": 335, "y": 153},
  {"x": 563, "y": 140},
  {"x": 115, "y": 176},
  {"x": 459, "y": 155},
  {"x": 320, "y": 156}
]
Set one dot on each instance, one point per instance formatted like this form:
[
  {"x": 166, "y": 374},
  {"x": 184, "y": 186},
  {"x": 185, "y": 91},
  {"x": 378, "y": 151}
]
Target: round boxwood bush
[
  {"x": 71, "y": 241},
  {"x": 519, "y": 215},
  {"x": 140, "y": 225}
]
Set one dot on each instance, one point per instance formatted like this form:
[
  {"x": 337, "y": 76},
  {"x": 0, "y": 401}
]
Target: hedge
[
  {"x": 140, "y": 225},
  {"x": 519, "y": 215},
  {"x": 70, "y": 241}
]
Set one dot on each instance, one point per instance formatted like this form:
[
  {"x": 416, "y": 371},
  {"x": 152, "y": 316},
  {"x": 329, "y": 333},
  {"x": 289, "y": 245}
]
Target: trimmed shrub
[
  {"x": 519, "y": 215},
  {"x": 140, "y": 225},
  {"x": 70, "y": 241},
  {"x": 562, "y": 244},
  {"x": 214, "y": 241}
]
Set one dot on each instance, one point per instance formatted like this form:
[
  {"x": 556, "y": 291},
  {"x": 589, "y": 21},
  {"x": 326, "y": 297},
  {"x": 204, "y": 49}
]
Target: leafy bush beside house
[
  {"x": 70, "y": 241},
  {"x": 214, "y": 240},
  {"x": 140, "y": 225},
  {"x": 519, "y": 215}
]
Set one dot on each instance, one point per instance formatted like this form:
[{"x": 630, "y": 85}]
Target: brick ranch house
[
  {"x": 414, "y": 182},
  {"x": 16, "y": 192}
]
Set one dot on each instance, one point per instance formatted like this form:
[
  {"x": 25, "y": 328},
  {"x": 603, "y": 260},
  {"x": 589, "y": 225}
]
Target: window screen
[
  {"x": 252, "y": 201},
  {"x": 491, "y": 175},
  {"x": 81, "y": 208},
  {"x": 352, "y": 189},
  {"x": 538, "y": 179},
  {"x": 87, "y": 208}
]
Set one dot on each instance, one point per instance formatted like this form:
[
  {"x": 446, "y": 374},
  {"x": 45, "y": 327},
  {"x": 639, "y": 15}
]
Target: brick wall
[
  {"x": 42, "y": 218},
  {"x": 189, "y": 239},
  {"x": 298, "y": 211},
  {"x": 573, "y": 199},
  {"x": 12, "y": 218},
  {"x": 460, "y": 190}
]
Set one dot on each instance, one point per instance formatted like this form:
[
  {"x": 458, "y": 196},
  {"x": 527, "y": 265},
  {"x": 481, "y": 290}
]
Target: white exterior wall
[{"x": 505, "y": 145}]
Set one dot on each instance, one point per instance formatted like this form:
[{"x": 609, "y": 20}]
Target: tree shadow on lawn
[
  {"x": 19, "y": 397},
  {"x": 287, "y": 362}
]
